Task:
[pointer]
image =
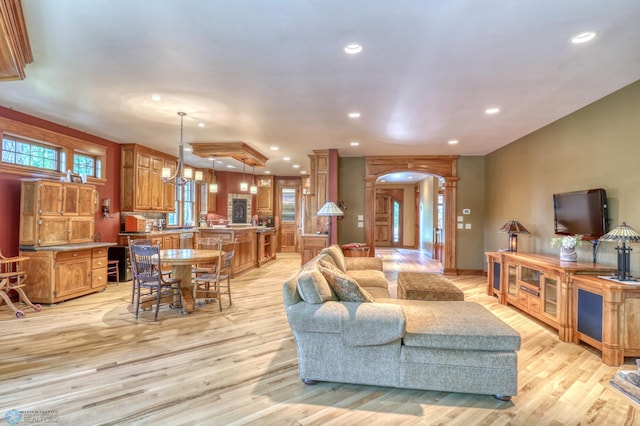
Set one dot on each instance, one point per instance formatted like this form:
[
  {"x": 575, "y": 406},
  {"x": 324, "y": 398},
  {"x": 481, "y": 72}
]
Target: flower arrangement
[{"x": 567, "y": 242}]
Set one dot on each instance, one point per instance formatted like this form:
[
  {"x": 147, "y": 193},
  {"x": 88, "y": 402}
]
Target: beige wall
[
  {"x": 597, "y": 146},
  {"x": 351, "y": 188},
  {"x": 471, "y": 196}
]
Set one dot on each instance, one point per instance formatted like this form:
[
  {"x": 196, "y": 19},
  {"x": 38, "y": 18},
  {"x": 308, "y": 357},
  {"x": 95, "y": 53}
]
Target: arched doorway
[{"x": 439, "y": 165}]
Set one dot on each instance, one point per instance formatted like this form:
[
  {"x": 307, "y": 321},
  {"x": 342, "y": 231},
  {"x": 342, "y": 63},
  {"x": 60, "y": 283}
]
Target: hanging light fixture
[
  {"x": 243, "y": 185},
  {"x": 213, "y": 186},
  {"x": 253, "y": 189},
  {"x": 182, "y": 175}
]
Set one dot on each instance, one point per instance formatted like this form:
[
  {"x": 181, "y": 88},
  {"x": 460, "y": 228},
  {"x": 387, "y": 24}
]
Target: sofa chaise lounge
[{"x": 453, "y": 346}]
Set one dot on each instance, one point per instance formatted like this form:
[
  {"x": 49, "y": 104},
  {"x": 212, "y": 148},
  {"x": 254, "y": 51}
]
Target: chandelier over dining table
[{"x": 182, "y": 175}]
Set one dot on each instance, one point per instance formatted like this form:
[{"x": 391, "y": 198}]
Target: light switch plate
[
  {"x": 460, "y": 218},
  {"x": 467, "y": 226},
  {"x": 360, "y": 217},
  {"x": 360, "y": 224},
  {"x": 460, "y": 225}
]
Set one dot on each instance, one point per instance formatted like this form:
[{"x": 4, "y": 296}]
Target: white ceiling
[{"x": 273, "y": 73}]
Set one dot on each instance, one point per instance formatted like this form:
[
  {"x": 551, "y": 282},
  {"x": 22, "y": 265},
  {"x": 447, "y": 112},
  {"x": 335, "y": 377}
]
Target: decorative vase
[{"x": 568, "y": 254}]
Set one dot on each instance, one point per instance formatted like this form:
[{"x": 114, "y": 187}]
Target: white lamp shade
[
  {"x": 188, "y": 173},
  {"x": 213, "y": 188},
  {"x": 244, "y": 186},
  {"x": 166, "y": 172},
  {"x": 253, "y": 189},
  {"x": 198, "y": 175},
  {"x": 330, "y": 209}
]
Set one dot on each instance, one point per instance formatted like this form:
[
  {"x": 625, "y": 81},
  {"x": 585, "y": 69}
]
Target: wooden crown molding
[
  {"x": 237, "y": 150},
  {"x": 15, "y": 51}
]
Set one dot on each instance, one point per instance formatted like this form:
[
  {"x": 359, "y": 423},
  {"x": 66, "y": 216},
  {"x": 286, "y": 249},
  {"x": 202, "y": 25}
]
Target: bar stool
[{"x": 113, "y": 269}]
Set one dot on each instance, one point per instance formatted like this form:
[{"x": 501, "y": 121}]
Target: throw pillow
[
  {"x": 313, "y": 287},
  {"x": 346, "y": 288}
]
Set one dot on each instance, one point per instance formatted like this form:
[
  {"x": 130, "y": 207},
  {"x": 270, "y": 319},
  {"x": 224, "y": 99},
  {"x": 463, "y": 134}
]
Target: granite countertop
[{"x": 68, "y": 247}]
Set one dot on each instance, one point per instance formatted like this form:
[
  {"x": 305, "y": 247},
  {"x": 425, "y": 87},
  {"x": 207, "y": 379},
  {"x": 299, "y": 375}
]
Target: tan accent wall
[
  {"x": 351, "y": 171},
  {"x": 597, "y": 146},
  {"x": 471, "y": 196}
]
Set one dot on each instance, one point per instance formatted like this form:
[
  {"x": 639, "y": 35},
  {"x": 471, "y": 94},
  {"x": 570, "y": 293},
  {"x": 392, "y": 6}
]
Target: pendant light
[
  {"x": 213, "y": 186},
  {"x": 253, "y": 189},
  {"x": 182, "y": 175},
  {"x": 243, "y": 185}
]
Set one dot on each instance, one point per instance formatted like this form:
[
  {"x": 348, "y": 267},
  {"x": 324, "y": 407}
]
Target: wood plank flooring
[{"x": 94, "y": 364}]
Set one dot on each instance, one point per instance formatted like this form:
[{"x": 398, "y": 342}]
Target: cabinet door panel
[
  {"x": 50, "y": 199},
  {"x": 53, "y": 231},
  {"x": 73, "y": 276},
  {"x": 70, "y": 199},
  {"x": 81, "y": 230}
]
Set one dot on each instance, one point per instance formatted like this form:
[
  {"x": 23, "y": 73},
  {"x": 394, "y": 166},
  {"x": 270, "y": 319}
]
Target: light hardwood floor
[{"x": 94, "y": 364}]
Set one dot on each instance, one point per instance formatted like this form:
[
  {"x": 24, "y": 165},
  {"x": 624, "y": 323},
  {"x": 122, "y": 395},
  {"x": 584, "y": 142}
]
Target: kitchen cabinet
[
  {"x": 266, "y": 246},
  {"x": 311, "y": 245},
  {"x": 55, "y": 213},
  {"x": 141, "y": 186},
  {"x": 264, "y": 198},
  {"x": 60, "y": 273},
  {"x": 246, "y": 251}
]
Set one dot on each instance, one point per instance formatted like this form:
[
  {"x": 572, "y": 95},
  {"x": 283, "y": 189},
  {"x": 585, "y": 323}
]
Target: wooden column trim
[{"x": 438, "y": 165}]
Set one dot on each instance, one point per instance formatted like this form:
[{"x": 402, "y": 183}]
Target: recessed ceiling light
[
  {"x": 583, "y": 37},
  {"x": 274, "y": 148},
  {"x": 200, "y": 125},
  {"x": 296, "y": 166},
  {"x": 354, "y": 115},
  {"x": 354, "y": 143},
  {"x": 286, "y": 158},
  {"x": 383, "y": 180},
  {"x": 229, "y": 166},
  {"x": 353, "y": 48},
  {"x": 188, "y": 149},
  {"x": 267, "y": 172},
  {"x": 303, "y": 172},
  {"x": 410, "y": 178},
  {"x": 156, "y": 98},
  {"x": 453, "y": 142},
  {"x": 493, "y": 110}
]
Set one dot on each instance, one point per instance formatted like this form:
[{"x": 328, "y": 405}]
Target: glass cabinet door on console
[
  {"x": 550, "y": 292},
  {"x": 512, "y": 285}
]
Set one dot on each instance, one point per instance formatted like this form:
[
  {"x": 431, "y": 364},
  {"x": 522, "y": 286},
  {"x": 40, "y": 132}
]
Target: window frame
[{"x": 67, "y": 146}]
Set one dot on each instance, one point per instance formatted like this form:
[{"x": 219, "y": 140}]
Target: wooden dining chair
[
  {"x": 226, "y": 269},
  {"x": 146, "y": 268},
  {"x": 206, "y": 278},
  {"x": 206, "y": 268},
  {"x": 144, "y": 242},
  {"x": 12, "y": 276}
]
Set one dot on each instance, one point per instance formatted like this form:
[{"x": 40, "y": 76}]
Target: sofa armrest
[
  {"x": 316, "y": 318},
  {"x": 370, "y": 324},
  {"x": 363, "y": 263}
]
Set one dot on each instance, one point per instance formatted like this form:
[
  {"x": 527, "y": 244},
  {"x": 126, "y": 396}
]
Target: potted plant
[{"x": 567, "y": 244}]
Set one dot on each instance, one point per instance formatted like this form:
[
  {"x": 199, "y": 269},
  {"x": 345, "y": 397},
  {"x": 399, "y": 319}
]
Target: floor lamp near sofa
[{"x": 330, "y": 210}]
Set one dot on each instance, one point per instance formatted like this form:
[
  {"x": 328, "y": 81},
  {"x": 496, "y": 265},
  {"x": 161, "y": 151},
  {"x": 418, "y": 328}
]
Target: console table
[{"x": 542, "y": 286}]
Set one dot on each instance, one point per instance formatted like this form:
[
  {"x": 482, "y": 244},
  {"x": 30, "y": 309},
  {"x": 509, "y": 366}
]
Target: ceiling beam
[{"x": 237, "y": 150}]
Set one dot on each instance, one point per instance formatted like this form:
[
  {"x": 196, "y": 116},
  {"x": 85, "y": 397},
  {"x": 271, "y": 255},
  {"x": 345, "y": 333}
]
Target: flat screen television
[{"x": 581, "y": 212}]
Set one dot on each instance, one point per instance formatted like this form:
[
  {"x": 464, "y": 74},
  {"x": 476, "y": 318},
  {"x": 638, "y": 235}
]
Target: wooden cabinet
[
  {"x": 539, "y": 285},
  {"x": 264, "y": 198},
  {"x": 607, "y": 316},
  {"x": 266, "y": 246},
  {"x": 60, "y": 273},
  {"x": 246, "y": 254},
  {"x": 56, "y": 213},
  {"x": 166, "y": 239},
  {"x": 141, "y": 186},
  {"x": 311, "y": 245}
]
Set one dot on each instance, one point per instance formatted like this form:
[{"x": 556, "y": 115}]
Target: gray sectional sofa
[{"x": 434, "y": 345}]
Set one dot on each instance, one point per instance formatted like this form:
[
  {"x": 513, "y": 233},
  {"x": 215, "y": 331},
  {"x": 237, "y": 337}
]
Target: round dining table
[{"x": 181, "y": 262}]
